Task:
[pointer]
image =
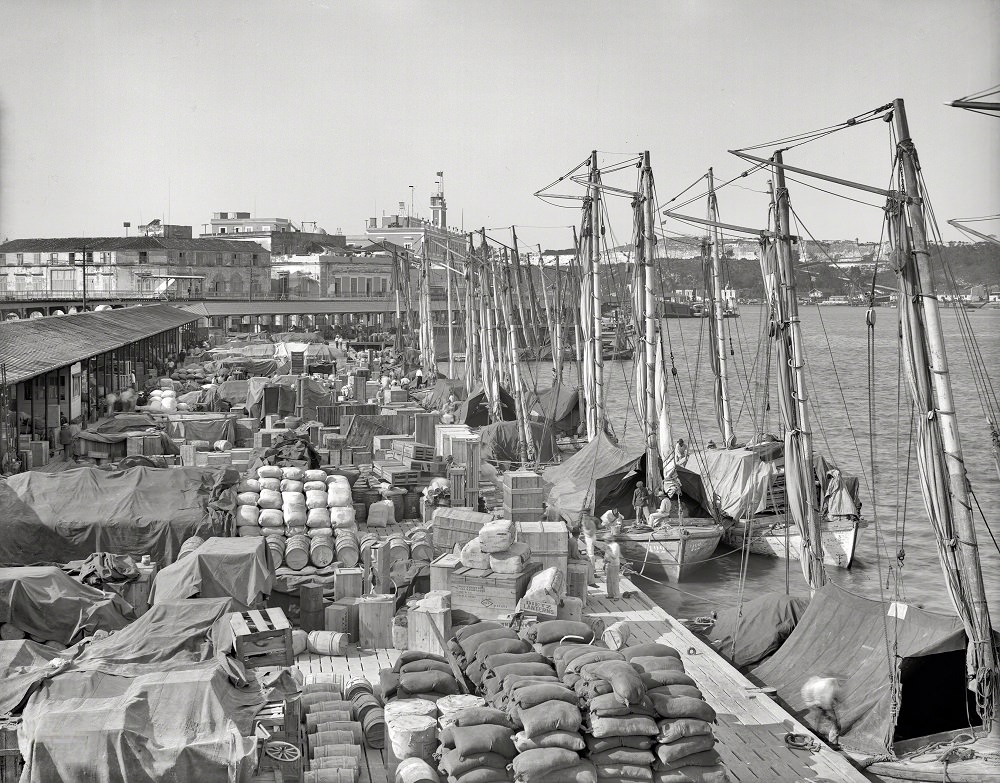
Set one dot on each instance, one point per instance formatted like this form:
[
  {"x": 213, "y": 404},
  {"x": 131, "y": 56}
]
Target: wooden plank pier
[{"x": 751, "y": 726}]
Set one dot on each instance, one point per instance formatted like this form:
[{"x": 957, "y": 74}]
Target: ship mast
[
  {"x": 801, "y": 486},
  {"x": 648, "y": 323},
  {"x": 943, "y": 477},
  {"x": 723, "y": 410}
]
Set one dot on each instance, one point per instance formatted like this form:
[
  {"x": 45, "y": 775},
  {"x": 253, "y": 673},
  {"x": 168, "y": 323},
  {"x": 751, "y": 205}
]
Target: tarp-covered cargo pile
[
  {"x": 58, "y": 517},
  {"x": 158, "y": 700}
]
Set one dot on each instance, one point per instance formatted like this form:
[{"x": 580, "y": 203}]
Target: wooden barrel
[
  {"x": 321, "y": 551},
  {"x": 416, "y": 771},
  {"x": 320, "y": 686},
  {"x": 317, "y": 700},
  {"x": 412, "y": 736},
  {"x": 351, "y": 751},
  {"x": 331, "y": 776},
  {"x": 327, "y": 643},
  {"x": 313, "y": 679},
  {"x": 347, "y": 549},
  {"x": 373, "y": 726},
  {"x": 360, "y": 512},
  {"x": 411, "y": 505},
  {"x": 363, "y": 703},
  {"x": 336, "y": 762},
  {"x": 399, "y": 549},
  {"x": 355, "y": 685},
  {"x": 297, "y": 552},
  {"x": 365, "y": 544},
  {"x": 331, "y": 733},
  {"x": 421, "y": 551},
  {"x": 318, "y": 750},
  {"x": 276, "y": 549},
  {"x": 316, "y": 719},
  {"x": 189, "y": 546}
]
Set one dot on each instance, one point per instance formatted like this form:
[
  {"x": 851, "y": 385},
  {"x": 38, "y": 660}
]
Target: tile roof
[
  {"x": 98, "y": 244},
  {"x": 37, "y": 345}
]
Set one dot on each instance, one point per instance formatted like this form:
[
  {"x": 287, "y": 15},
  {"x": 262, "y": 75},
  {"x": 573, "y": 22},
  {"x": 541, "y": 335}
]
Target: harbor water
[{"x": 836, "y": 346}]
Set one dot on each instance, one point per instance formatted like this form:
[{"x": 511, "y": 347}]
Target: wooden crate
[
  {"x": 137, "y": 592},
  {"x": 420, "y": 624},
  {"x": 262, "y": 638},
  {"x": 397, "y": 395},
  {"x": 544, "y": 537},
  {"x": 416, "y": 451},
  {"x": 152, "y": 445},
  {"x": 441, "y": 569},
  {"x": 375, "y": 620},
  {"x": 348, "y": 583},
  {"x": 440, "y": 430},
  {"x": 328, "y": 415},
  {"x": 522, "y": 479},
  {"x": 282, "y": 718},
  {"x": 11, "y": 762},
  {"x": 384, "y": 442},
  {"x": 423, "y": 426},
  {"x": 577, "y": 575},
  {"x": 135, "y": 445},
  {"x": 487, "y": 594},
  {"x": 456, "y": 476},
  {"x": 531, "y": 497},
  {"x": 453, "y": 526}
]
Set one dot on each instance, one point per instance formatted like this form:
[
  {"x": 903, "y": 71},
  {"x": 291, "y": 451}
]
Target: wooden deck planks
[{"x": 751, "y": 726}]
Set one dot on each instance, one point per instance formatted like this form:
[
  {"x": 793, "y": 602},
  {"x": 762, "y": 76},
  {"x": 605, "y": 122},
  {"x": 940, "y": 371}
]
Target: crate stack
[{"x": 523, "y": 495}]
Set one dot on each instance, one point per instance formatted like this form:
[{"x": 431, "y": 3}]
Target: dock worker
[
  {"x": 680, "y": 452},
  {"x": 640, "y": 503},
  {"x": 822, "y": 698}
]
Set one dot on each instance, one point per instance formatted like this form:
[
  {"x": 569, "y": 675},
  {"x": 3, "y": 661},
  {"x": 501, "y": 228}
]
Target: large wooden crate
[
  {"x": 453, "y": 526},
  {"x": 517, "y": 499},
  {"x": 262, "y": 638},
  {"x": 549, "y": 543},
  {"x": 413, "y": 450},
  {"x": 487, "y": 594},
  {"x": 420, "y": 624},
  {"x": 522, "y": 479},
  {"x": 11, "y": 762}
]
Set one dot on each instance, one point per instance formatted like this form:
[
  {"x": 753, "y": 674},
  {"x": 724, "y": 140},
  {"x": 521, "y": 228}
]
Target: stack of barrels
[
  {"x": 333, "y": 735},
  {"x": 301, "y": 513}
]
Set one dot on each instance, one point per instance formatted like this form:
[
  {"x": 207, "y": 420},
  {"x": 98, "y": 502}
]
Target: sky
[{"x": 329, "y": 110}]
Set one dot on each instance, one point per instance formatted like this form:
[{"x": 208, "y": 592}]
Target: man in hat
[{"x": 640, "y": 502}]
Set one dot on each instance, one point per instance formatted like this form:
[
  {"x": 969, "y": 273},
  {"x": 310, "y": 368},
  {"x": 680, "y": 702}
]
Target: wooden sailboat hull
[
  {"x": 929, "y": 768},
  {"x": 670, "y": 552},
  {"x": 772, "y": 538}
]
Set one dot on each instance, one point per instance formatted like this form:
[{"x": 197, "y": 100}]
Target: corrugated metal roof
[
  {"x": 34, "y": 346},
  {"x": 98, "y": 244}
]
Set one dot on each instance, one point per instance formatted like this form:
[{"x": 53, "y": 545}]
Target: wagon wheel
[{"x": 282, "y": 751}]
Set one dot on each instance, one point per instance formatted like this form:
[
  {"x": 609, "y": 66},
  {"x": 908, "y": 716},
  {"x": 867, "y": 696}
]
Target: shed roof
[{"x": 38, "y": 345}]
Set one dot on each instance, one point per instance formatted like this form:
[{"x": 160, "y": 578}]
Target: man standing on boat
[{"x": 640, "y": 502}]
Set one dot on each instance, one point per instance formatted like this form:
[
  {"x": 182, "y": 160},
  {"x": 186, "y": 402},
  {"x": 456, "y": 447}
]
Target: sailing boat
[
  {"x": 912, "y": 680},
  {"x": 775, "y": 499},
  {"x": 666, "y": 547}
]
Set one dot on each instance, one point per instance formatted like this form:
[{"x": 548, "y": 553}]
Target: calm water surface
[{"x": 837, "y": 362}]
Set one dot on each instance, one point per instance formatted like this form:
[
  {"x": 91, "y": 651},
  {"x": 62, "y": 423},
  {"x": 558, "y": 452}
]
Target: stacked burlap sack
[{"x": 418, "y": 675}]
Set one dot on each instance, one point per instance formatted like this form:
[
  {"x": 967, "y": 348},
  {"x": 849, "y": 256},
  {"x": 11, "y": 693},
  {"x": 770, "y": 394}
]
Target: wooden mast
[
  {"x": 960, "y": 554},
  {"x": 798, "y": 433},
  {"x": 451, "y": 327},
  {"x": 597, "y": 343},
  {"x": 649, "y": 328},
  {"x": 725, "y": 412}
]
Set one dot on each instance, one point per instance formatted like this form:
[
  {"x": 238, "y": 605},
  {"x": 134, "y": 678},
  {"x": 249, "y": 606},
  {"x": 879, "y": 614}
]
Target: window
[
  {"x": 63, "y": 279},
  {"x": 53, "y": 256},
  {"x": 88, "y": 256},
  {"x": 105, "y": 258},
  {"x": 265, "y": 228},
  {"x": 3, "y": 258},
  {"x": 181, "y": 257},
  {"x": 143, "y": 257},
  {"x": 222, "y": 229},
  {"x": 236, "y": 230},
  {"x": 20, "y": 258},
  {"x": 37, "y": 257},
  {"x": 218, "y": 259},
  {"x": 253, "y": 259}
]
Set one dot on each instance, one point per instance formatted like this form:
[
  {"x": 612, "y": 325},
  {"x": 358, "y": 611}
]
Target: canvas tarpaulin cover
[
  {"x": 757, "y": 628},
  {"x": 500, "y": 441},
  {"x": 57, "y": 517},
  {"x": 599, "y": 477},
  {"x": 255, "y": 397},
  {"x": 845, "y": 635},
  {"x": 560, "y": 405},
  {"x": 202, "y": 426},
  {"x": 127, "y": 422},
  {"x": 475, "y": 410},
  {"x": 236, "y": 568},
  {"x": 437, "y": 397},
  {"x": 156, "y": 701},
  {"x": 313, "y": 393},
  {"x": 49, "y": 604},
  {"x": 735, "y": 479}
]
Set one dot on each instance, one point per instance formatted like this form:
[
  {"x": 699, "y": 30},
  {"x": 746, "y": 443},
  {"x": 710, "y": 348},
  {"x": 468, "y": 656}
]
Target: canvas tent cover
[
  {"x": 152, "y": 702},
  {"x": 475, "y": 410},
  {"x": 500, "y": 441},
  {"x": 601, "y": 476},
  {"x": 736, "y": 478},
  {"x": 561, "y": 405},
  {"x": 235, "y": 568},
  {"x": 202, "y": 426},
  {"x": 47, "y": 603},
  {"x": 437, "y": 397},
  {"x": 757, "y": 628},
  {"x": 57, "y": 517},
  {"x": 255, "y": 397},
  {"x": 844, "y": 634},
  {"x": 313, "y": 393}
]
